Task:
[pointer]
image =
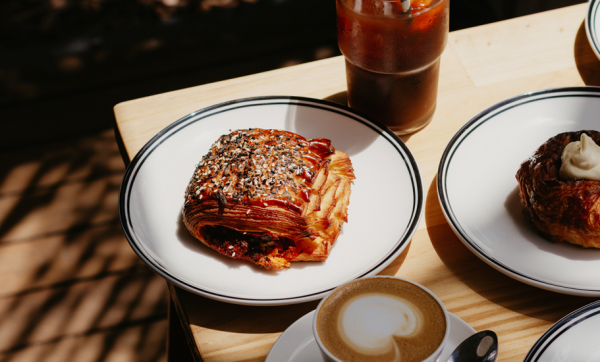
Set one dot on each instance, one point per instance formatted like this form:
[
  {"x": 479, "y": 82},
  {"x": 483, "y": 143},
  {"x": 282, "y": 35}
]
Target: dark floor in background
[{"x": 72, "y": 289}]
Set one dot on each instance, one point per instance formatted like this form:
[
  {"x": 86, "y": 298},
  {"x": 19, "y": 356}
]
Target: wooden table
[{"x": 480, "y": 67}]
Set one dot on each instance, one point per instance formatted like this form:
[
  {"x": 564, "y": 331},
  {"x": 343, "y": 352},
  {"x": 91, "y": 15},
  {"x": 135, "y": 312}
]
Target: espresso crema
[{"x": 381, "y": 319}]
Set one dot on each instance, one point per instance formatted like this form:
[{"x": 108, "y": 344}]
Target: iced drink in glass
[{"x": 393, "y": 58}]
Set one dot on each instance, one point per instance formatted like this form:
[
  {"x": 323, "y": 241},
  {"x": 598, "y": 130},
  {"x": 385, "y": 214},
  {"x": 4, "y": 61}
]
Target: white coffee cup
[{"x": 381, "y": 318}]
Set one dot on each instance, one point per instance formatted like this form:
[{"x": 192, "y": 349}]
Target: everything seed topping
[{"x": 249, "y": 164}]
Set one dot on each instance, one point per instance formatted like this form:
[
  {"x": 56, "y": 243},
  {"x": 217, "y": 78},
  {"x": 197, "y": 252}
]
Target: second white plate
[{"x": 479, "y": 193}]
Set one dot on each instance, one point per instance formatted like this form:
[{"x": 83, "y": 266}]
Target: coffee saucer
[{"x": 297, "y": 343}]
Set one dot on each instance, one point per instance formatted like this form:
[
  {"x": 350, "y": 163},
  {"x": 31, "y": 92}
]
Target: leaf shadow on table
[
  {"x": 71, "y": 288},
  {"x": 488, "y": 282},
  {"x": 586, "y": 60}
]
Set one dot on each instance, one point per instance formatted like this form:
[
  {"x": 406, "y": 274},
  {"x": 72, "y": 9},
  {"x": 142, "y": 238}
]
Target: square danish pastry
[{"x": 269, "y": 197}]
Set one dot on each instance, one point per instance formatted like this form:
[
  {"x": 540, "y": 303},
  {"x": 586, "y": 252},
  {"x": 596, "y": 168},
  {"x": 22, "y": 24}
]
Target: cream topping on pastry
[{"x": 581, "y": 160}]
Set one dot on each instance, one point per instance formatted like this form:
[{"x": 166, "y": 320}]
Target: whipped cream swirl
[{"x": 581, "y": 160}]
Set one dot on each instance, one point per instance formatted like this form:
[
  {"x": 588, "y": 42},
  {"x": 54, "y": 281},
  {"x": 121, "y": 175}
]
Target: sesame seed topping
[{"x": 251, "y": 166}]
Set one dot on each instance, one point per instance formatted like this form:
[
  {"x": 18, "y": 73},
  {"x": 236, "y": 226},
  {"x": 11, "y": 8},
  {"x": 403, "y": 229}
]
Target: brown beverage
[
  {"x": 393, "y": 58},
  {"x": 381, "y": 319}
]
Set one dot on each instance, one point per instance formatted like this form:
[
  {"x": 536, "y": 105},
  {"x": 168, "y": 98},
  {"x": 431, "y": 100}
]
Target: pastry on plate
[
  {"x": 269, "y": 197},
  {"x": 559, "y": 188}
]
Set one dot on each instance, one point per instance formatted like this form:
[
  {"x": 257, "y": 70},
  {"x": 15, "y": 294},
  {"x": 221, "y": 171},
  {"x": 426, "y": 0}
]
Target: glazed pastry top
[{"x": 260, "y": 167}]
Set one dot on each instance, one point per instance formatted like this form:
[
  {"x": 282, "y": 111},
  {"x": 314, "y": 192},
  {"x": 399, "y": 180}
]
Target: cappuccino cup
[{"x": 381, "y": 319}]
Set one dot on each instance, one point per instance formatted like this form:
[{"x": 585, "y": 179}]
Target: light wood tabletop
[{"x": 480, "y": 66}]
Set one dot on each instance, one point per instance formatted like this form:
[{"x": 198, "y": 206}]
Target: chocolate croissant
[
  {"x": 269, "y": 197},
  {"x": 560, "y": 210}
]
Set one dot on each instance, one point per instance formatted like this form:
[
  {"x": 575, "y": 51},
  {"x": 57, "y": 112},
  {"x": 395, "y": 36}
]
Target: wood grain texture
[{"x": 480, "y": 67}]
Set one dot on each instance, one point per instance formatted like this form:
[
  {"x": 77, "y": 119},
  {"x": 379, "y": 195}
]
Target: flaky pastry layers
[
  {"x": 560, "y": 210},
  {"x": 269, "y": 197}
]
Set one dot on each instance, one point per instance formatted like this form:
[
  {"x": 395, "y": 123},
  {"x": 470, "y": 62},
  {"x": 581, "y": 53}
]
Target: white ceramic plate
[
  {"x": 297, "y": 343},
  {"x": 385, "y": 204},
  {"x": 479, "y": 193},
  {"x": 592, "y": 25},
  {"x": 574, "y": 338}
]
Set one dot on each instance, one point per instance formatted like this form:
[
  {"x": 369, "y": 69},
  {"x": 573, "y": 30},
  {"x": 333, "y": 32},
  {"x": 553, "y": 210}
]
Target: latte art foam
[
  {"x": 380, "y": 319},
  {"x": 368, "y": 323}
]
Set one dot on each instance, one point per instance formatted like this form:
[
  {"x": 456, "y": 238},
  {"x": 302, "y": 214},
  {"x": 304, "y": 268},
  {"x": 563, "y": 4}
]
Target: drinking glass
[{"x": 393, "y": 58}]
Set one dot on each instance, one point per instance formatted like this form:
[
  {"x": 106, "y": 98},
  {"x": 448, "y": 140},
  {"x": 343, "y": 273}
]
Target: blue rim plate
[
  {"x": 385, "y": 205},
  {"x": 479, "y": 193}
]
